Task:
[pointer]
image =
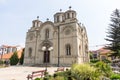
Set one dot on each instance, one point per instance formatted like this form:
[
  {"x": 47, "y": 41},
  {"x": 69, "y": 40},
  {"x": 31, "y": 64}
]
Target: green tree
[
  {"x": 22, "y": 57},
  {"x": 91, "y": 55},
  {"x": 14, "y": 59},
  {"x": 114, "y": 34}
]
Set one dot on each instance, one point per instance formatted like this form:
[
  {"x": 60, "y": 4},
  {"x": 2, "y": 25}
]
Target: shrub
[
  {"x": 46, "y": 78},
  {"x": 85, "y": 72},
  {"x": 59, "y": 78},
  {"x": 104, "y": 68},
  {"x": 60, "y": 73},
  {"x": 94, "y": 60},
  {"x": 38, "y": 79},
  {"x": 106, "y": 61},
  {"x": 115, "y": 76},
  {"x": 1, "y": 62},
  {"x": 63, "y": 74}
]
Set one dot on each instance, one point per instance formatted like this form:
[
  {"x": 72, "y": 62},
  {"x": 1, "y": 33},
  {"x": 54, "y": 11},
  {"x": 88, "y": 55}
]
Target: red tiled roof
[
  {"x": 8, "y": 55},
  {"x": 7, "y": 46},
  {"x": 103, "y": 50}
]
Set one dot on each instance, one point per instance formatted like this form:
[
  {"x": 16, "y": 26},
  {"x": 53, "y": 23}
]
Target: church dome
[
  {"x": 69, "y": 14},
  {"x": 59, "y": 16},
  {"x": 37, "y": 22}
]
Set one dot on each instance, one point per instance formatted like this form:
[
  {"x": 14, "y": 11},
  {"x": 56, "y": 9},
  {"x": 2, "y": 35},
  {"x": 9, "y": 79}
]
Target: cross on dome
[
  {"x": 70, "y": 7},
  {"x": 60, "y": 10},
  {"x": 37, "y": 17},
  {"x": 47, "y": 19}
]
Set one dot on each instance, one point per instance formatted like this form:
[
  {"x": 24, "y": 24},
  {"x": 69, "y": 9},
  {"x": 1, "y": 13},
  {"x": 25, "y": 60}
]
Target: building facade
[
  {"x": 62, "y": 42},
  {"x": 6, "y": 51},
  {"x": 102, "y": 54}
]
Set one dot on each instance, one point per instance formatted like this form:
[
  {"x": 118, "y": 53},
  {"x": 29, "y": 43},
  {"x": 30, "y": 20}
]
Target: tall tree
[
  {"x": 114, "y": 34},
  {"x": 22, "y": 57}
]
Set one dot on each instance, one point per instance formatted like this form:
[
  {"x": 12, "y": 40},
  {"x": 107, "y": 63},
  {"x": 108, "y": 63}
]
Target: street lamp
[
  {"x": 58, "y": 46},
  {"x": 46, "y": 48}
]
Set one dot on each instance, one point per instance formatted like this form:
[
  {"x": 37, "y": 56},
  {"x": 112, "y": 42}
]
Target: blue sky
[{"x": 16, "y": 17}]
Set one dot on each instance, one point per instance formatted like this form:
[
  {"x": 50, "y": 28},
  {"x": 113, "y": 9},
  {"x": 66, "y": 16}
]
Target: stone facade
[{"x": 62, "y": 42}]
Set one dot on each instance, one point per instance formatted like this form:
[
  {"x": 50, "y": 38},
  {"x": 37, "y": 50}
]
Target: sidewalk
[{"x": 21, "y": 72}]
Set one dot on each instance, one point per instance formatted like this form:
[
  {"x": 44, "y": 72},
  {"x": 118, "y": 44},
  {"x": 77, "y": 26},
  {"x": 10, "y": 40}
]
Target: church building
[{"x": 61, "y": 42}]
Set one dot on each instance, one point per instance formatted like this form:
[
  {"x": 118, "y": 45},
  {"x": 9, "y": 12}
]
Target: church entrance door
[{"x": 46, "y": 56}]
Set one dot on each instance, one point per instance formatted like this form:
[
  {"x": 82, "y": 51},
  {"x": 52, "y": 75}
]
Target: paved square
[{"x": 20, "y": 72}]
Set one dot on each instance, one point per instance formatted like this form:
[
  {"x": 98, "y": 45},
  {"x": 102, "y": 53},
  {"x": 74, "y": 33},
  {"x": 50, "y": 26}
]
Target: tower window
[
  {"x": 68, "y": 49},
  {"x": 35, "y": 24},
  {"x": 58, "y": 18},
  {"x": 68, "y": 15},
  {"x": 30, "y": 52},
  {"x": 47, "y": 33},
  {"x": 72, "y": 15}
]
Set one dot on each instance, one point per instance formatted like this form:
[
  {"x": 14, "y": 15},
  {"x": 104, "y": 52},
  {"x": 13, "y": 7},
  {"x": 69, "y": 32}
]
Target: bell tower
[
  {"x": 59, "y": 17},
  {"x": 36, "y": 23}
]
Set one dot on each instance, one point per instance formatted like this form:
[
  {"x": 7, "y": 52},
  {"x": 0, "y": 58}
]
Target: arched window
[
  {"x": 30, "y": 52},
  {"x": 72, "y": 15},
  {"x": 58, "y": 18},
  {"x": 68, "y": 49},
  {"x": 68, "y": 15},
  {"x": 47, "y": 33},
  {"x": 35, "y": 24}
]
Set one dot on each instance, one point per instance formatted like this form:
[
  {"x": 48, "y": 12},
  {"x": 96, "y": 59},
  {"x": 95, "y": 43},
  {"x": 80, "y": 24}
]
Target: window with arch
[
  {"x": 30, "y": 52},
  {"x": 68, "y": 49},
  {"x": 68, "y": 15},
  {"x": 47, "y": 33},
  {"x": 72, "y": 15},
  {"x": 58, "y": 18}
]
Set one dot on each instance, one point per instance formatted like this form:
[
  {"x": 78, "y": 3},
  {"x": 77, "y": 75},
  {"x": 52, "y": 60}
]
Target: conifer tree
[
  {"x": 114, "y": 34},
  {"x": 14, "y": 59},
  {"x": 22, "y": 57}
]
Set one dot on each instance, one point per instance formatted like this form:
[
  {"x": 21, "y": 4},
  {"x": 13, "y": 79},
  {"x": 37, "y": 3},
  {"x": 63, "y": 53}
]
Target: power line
[{"x": 98, "y": 45}]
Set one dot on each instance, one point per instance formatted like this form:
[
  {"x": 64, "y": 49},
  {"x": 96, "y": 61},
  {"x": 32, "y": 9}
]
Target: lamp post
[
  {"x": 46, "y": 48},
  {"x": 58, "y": 46}
]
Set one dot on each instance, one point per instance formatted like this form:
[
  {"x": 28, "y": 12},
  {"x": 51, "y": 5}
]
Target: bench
[
  {"x": 40, "y": 74},
  {"x": 60, "y": 69}
]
